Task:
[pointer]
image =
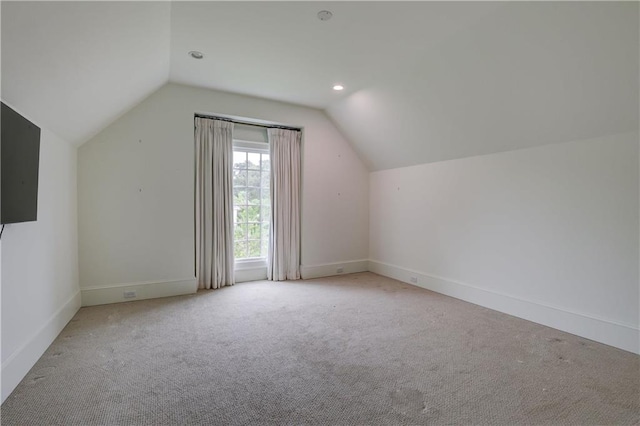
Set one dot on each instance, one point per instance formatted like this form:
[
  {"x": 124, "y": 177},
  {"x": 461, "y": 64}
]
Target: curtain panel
[
  {"x": 214, "y": 203},
  {"x": 283, "y": 262}
]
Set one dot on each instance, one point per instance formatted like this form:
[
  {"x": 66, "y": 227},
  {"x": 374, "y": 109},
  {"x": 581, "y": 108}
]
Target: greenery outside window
[{"x": 251, "y": 200}]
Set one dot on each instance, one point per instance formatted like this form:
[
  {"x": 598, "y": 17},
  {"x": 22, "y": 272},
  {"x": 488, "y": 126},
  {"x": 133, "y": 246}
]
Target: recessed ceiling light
[
  {"x": 338, "y": 87},
  {"x": 196, "y": 55},
  {"x": 324, "y": 15}
]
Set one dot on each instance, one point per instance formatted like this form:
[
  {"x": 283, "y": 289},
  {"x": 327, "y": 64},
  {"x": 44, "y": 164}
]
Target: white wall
[
  {"x": 40, "y": 291},
  {"x": 548, "y": 233},
  {"x": 136, "y": 189}
]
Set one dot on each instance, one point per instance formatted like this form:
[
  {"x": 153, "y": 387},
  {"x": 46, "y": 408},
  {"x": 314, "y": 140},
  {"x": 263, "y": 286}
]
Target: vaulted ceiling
[{"x": 424, "y": 81}]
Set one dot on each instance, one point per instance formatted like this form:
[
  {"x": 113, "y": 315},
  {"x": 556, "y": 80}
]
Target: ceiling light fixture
[
  {"x": 324, "y": 15},
  {"x": 338, "y": 87},
  {"x": 196, "y": 55}
]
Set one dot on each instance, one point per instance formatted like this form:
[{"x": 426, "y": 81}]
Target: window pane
[
  {"x": 251, "y": 200},
  {"x": 266, "y": 198},
  {"x": 254, "y": 248},
  {"x": 264, "y": 179},
  {"x": 240, "y": 249},
  {"x": 239, "y": 177},
  {"x": 239, "y": 159},
  {"x": 240, "y": 232},
  {"x": 264, "y": 249},
  {"x": 239, "y": 196},
  {"x": 266, "y": 213},
  {"x": 242, "y": 214},
  {"x": 254, "y": 231},
  {"x": 253, "y": 213},
  {"x": 253, "y": 196},
  {"x": 254, "y": 161},
  {"x": 254, "y": 178}
]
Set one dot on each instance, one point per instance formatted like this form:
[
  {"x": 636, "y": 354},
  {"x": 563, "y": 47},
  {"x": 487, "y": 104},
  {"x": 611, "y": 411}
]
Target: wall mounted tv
[{"x": 20, "y": 158}]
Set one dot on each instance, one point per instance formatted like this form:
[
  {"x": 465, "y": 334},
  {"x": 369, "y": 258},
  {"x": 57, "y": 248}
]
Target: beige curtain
[
  {"x": 283, "y": 262},
  {"x": 214, "y": 203}
]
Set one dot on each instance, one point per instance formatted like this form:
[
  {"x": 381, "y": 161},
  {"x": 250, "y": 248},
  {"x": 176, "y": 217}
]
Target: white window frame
[{"x": 260, "y": 148}]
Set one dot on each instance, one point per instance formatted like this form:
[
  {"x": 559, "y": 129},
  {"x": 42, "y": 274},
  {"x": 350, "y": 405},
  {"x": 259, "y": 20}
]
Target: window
[{"x": 251, "y": 200}]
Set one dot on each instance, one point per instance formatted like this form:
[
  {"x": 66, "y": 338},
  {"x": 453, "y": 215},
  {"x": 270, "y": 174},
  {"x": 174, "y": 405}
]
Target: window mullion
[{"x": 251, "y": 187}]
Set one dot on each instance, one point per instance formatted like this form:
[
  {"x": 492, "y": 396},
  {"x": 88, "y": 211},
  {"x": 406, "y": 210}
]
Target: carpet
[{"x": 357, "y": 349}]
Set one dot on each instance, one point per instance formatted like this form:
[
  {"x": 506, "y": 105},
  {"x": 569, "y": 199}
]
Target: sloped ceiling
[
  {"x": 425, "y": 81},
  {"x": 528, "y": 74},
  {"x": 74, "y": 67}
]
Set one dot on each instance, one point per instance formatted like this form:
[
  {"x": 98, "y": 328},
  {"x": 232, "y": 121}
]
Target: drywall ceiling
[
  {"x": 527, "y": 74},
  {"x": 74, "y": 67},
  {"x": 425, "y": 81},
  {"x": 281, "y": 50}
]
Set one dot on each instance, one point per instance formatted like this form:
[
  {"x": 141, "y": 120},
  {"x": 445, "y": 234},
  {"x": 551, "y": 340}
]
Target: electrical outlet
[
  {"x": 340, "y": 270},
  {"x": 130, "y": 294},
  {"x": 414, "y": 280}
]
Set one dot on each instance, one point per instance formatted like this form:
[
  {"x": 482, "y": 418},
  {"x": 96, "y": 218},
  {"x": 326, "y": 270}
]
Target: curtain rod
[{"x": 248, "y": 123}]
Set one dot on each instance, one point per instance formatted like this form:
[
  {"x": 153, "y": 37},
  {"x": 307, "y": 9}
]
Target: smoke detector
[
  {"x": 196, "y": 55},
  {"x": 324, "y": 15}
]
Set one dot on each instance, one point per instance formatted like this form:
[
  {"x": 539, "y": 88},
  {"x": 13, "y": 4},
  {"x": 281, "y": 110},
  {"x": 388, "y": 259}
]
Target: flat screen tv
[{"x": 20, "y": 158}]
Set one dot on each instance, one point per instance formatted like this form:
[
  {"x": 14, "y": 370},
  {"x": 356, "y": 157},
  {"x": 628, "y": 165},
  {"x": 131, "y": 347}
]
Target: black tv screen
[{"x": 20, "y": 158}]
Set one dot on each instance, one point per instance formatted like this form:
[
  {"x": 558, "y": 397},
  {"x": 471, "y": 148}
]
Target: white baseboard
[
  {"x": 329, "y": 269},
  {"x": 611, "y": 333},
  {"x": 101, "y": 295},
  {"x": 20, "y": 362}
]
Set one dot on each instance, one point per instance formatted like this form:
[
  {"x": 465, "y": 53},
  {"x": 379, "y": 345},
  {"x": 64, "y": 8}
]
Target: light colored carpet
[{"x": 353, "y": 349}]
